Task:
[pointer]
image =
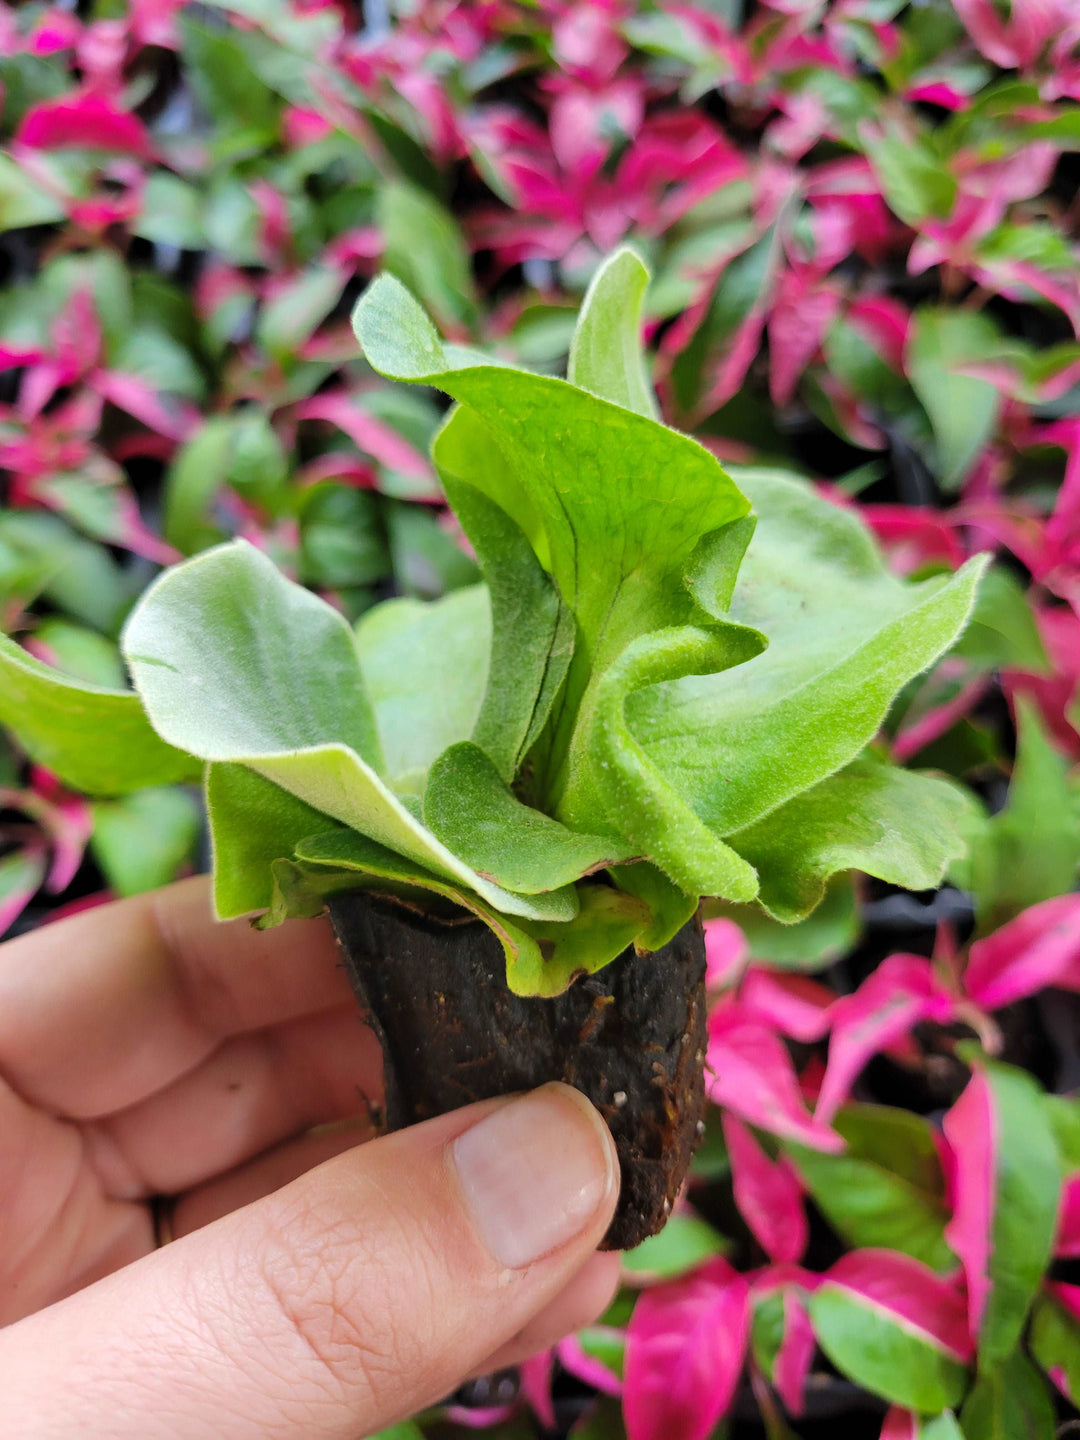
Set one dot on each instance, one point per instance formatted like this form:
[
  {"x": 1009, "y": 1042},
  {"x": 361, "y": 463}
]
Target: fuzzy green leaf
[
  {"x": 95, "y": 739},
  {"x": 532, "y": 631},
  {"x": 253, "y": 822},
  {"x": 471, "y": 809},
  {"x": 425, "y": 666},
  {"x": 605, "y": 354},
  {"x": 844, "y": 635},
  {"x": 897, "y": 825},
  {"x": 542, "y": 957}
]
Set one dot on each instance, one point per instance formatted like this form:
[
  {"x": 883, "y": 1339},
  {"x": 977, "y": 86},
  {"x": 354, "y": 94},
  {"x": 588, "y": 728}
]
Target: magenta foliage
[{"x": 684, "y": 1354}]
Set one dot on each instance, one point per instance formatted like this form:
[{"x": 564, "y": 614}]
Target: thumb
[{"x": 353, "y": 1297}]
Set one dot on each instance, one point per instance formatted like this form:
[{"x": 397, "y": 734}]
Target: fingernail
[{"x": 535, "y": 1173}]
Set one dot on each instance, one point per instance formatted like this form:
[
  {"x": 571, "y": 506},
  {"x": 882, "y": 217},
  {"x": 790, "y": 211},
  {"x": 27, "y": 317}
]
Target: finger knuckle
[{"x": 355, "y": 1305}]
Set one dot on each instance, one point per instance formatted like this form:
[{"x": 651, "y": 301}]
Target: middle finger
[{"x": 252, "y": 1092}]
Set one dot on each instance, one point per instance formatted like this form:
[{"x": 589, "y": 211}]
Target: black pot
[{"x": 631, "y": 1038}]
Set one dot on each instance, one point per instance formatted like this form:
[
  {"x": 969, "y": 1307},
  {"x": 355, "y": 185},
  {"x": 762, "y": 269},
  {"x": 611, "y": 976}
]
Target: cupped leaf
[
  {"x": 1007, "y": 1185},
  {"x": 95, "y": 739},
  {"x": 893, "y": 1327},
  {"x": 844, "y": 636},
  {"x": 472, "y": 810},
  {"x": 605, "y": 354},
  {"x": 279, "y": 689},
  {"x": 532, "y": 631},
  {"x": 425, "y": 666},
  {"x": 897, "y": 825},
  {"x": 626, "y": 785},
  {"x": 613, "y": 502}
]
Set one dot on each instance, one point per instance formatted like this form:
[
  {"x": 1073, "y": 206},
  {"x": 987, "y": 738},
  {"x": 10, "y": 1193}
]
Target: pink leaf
[
  {"x": 1040, "y": 947},
  {"x": 796, "y": 1354},
  {"x": 937, "y": 720},
  {"x": 373, "y": 436},
  {"x": 901, "y": 991},
  {"x": 684, "y": 1354},
  {"x": 750, "y": 1072},
  {"x": 586, "y": 1367},
  {"x": 900, "y": 1425},
  {"x": 536, "y": 1374},
  {"x": 803, "y": 311},
  {"x": 725, "y": 953},
  {"x": 793, "y": 1004},
  {"x": 83, "y": 120},
  {"x": 767, "y": 1193},
  {"x": 174, "y": 420},
  {"x": 971, "y": 1130},
  {"x": 910, "y": 1292},
  {"x": 1068, "y": 1231}
]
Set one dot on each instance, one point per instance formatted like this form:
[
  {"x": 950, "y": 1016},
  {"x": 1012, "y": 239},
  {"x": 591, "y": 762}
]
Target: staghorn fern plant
[{"x": 666, "y": 688}]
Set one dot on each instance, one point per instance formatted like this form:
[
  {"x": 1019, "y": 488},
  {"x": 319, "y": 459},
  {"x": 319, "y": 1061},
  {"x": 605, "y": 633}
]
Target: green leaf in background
[
  {"x": 22, "y": 201},
  {"x": 298, "y": 308},
  {"x": 963, "y": 409},
  {"x": 1029, "y": 851},
  {"x": 1009, "y": 1402},
  {"x": 914, "y": 180},
  {"x": 1002, "y": 633},
  {"x": 811, "y": 944},
  {"x": 240, "y": 450},
  {"x": 897, "y": 825},
  {"x": 142, "y": 840},
  {"x": 281, "y": 690},
  {"x": 685, "y": 1242},
  {"x": 1007, "y": 1183},
  {"x": 1055, "y": 1343},
  {"x": 1063, "y": 1112},
  {"x": 605, "y": 353},
  {"x": 171, "y": 212},
  {"x": 81, "y": 653},
  {"x": 22, "y": 873},
  {"x": 79, "y": 577},
  {"x": 887, "y": 1355},
  {"x": 425, "y": 249},
  {"x": 94, "y": 739},
  {"x": 425, "y": 666},
  {"x": 844, "y": 635},
  {"x": 887, "y": 1189},
  {"x": 426, "y": 560}
]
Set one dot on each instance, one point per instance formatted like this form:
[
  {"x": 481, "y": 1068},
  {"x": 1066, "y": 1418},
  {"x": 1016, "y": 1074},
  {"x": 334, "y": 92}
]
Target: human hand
[{"x": 318, "y": 1287}]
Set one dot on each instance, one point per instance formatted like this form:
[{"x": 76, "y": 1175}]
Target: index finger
[{"x": 104, "y": 1008}]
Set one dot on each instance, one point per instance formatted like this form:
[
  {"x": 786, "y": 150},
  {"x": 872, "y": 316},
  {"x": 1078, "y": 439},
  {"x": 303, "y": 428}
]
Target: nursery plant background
[{"x": 862, "y": 221}]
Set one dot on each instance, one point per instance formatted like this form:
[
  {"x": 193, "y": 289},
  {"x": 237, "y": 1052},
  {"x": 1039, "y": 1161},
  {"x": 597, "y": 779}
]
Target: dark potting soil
[{"x": 632, "y": 1038}]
